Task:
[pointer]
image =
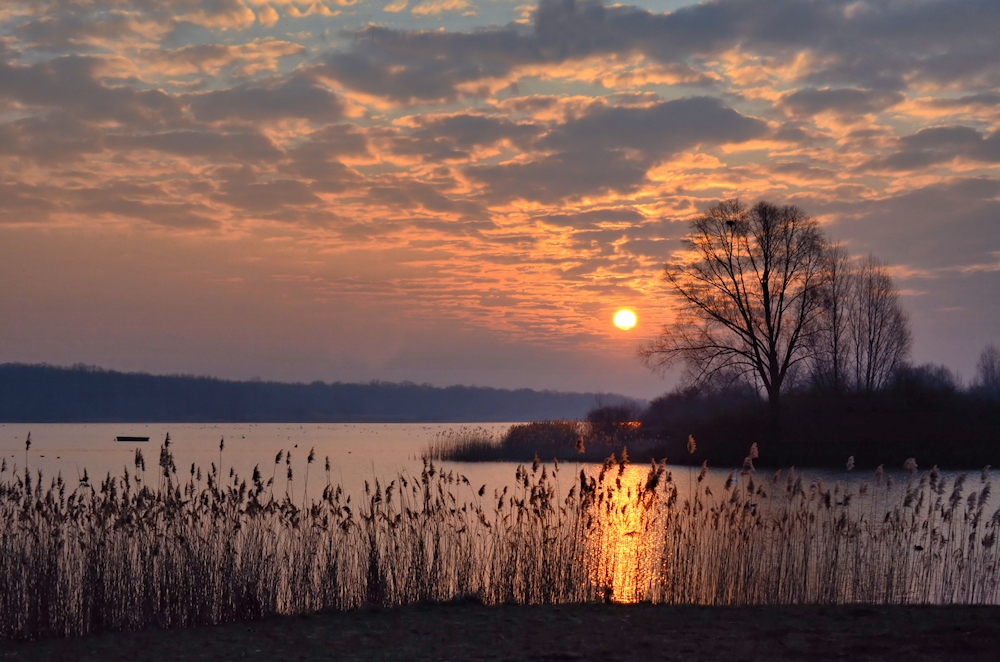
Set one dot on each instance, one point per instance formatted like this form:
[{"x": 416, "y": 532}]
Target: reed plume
[{"x": 123, "y": 554}]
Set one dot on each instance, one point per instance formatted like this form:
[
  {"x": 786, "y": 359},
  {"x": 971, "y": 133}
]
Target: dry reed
[
  {"x": 125, "y": 554},
  {"x": 575, "y": 441}
]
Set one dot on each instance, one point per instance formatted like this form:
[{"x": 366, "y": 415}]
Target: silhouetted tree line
[
  {"x": 764, "y": 299},
  {"x": 47, "y": 394},
  {"x": 921, "y": 411},
  {"x": 789, "y": 342},
  {"x": 987, "y": 381}
]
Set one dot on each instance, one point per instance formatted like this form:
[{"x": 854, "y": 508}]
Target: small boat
[{"x": 131, "y": 438}]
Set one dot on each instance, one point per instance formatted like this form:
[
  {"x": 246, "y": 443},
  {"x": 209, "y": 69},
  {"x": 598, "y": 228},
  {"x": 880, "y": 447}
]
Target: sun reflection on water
[{"x": 621, "y": 547}]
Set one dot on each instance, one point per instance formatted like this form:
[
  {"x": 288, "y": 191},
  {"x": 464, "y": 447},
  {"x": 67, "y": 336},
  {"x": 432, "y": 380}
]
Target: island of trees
[{"x": 787, "y": 342}]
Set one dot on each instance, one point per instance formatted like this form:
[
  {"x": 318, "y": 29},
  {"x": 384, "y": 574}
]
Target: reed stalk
[{"x": 120, "y": 554}]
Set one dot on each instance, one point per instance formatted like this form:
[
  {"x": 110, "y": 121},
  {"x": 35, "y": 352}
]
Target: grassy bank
[{"x": 467, "y": 631}]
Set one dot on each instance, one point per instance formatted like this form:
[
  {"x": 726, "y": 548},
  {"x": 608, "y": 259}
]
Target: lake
[
  {"x": 825, "y": 537},
  {"x": 358, "y": 452}
]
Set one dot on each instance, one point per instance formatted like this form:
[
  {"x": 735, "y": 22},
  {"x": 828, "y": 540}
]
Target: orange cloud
[{"x": 267, "y": 16}]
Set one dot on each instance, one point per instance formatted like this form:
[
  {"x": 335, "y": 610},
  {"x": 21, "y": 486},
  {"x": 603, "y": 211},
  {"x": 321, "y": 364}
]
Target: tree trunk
[{"x": 773, "y": 431}]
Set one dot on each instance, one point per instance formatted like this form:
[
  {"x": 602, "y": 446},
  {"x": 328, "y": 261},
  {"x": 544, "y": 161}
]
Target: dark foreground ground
[{"x": 579, "y": 632}]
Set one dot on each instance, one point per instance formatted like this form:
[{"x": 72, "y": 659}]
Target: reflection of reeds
[{"x": 123, "y": 555}]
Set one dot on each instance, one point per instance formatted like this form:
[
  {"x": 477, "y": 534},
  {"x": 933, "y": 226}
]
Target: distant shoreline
[{"x": 50, "y": 394}]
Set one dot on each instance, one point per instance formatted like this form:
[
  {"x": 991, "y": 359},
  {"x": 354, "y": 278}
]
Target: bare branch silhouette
[{"x": 749, "y": 294}]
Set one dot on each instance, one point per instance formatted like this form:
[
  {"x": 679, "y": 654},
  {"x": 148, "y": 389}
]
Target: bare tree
[
  {"x": 832, "y": 350},
  {"x": 988, "y": 372},
  {"x": 863, "y": 335},
  {"x": 879, "y": 330},
  {"x": 748, "y": 289}
]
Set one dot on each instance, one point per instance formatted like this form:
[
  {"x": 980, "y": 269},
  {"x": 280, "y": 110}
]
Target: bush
[
  {"x": 612, "y": 420},
  {"x": 544, "y": 437},
  {"x": 925, "y": 384}
]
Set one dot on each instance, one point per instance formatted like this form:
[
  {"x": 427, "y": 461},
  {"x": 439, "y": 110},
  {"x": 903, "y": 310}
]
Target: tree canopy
[
  {"x": 764, "y": 299},
  {"x": 748, "y": 285}
]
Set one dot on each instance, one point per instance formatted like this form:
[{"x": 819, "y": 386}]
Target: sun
[{"x": 625, "y": 319}]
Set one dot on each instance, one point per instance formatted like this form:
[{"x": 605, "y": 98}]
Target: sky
[{"x": 465, "y": 191}]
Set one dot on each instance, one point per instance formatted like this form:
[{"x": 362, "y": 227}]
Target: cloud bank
[{"x": 337, "y": 184}]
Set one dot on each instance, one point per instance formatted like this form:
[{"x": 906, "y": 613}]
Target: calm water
[
  {"x": 366, "y": 452},
  {"x": 357, "y": 452}
]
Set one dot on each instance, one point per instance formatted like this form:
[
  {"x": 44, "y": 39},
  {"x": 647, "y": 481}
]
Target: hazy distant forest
[{"x": 48, "y": 394}]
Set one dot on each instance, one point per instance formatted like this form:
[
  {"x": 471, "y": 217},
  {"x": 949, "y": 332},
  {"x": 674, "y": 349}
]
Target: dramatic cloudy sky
[{"x": 464, "y": 191}]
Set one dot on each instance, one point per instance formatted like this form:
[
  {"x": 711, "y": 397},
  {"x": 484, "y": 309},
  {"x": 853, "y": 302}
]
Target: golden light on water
[
  {"x": 625, "y": 319},
  {"x": 622, "y": 553}
]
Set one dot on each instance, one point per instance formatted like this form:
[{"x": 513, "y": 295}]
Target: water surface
[
  {"x": 626, "y": 552},
  {"x": 357, "y": 452}
]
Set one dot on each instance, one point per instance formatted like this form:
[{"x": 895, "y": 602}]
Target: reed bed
[
  {"x": 464, "y": 444},
  {"x": 783, "y": 541},
  {"x": 188, "y": 548},
  {"x": 573, "y": 441}
]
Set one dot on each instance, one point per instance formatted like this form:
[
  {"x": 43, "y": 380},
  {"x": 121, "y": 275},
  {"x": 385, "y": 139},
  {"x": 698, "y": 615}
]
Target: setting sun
[{"x": 624, "y": 319}]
